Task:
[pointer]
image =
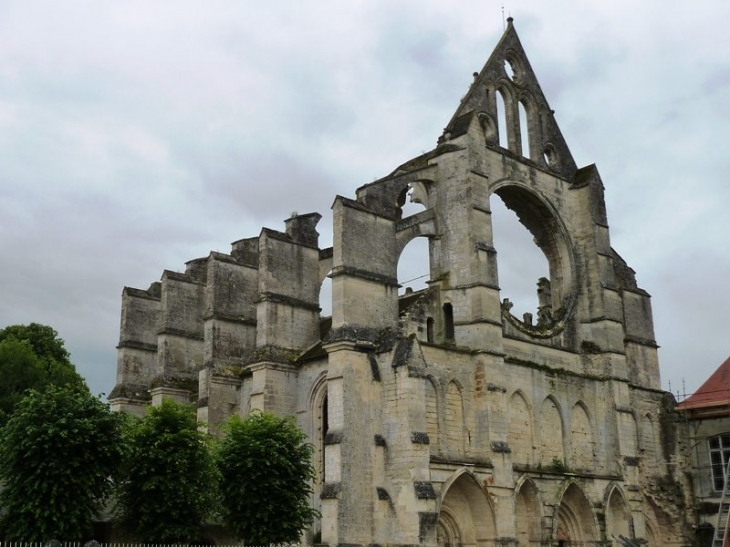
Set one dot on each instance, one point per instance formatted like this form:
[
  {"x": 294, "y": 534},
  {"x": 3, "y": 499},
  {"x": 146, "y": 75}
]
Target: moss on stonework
[
  {"x": 589, "y": 347},
  {"x": 185, "y": 383},
  {"x": 232, "y": 370},
  {"x": 275, "y": 354},
  {"x": 138, "y": 392},
  {"x": 551, "y": 328},
  {"x": 558, "y": 466},
  {"x": 668, "y": 486},
  {"x": 550, "y": 371}
]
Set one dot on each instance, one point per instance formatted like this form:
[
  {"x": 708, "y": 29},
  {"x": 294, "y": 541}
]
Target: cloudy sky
[{"x": 137, "y": 135}]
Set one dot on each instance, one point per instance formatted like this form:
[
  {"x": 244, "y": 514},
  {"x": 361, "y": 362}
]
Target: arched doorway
[
  {"x": 466, "y": 517},
  {"x": 618, "y": 518},
  {"x": 320, "y": 425},
  {"x": 575, "y": 524},
  {"x": 528, "y": 515},
  {"x": 449, "y": 533}
]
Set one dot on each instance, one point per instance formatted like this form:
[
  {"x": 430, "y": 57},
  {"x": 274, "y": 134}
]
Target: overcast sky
[{"x": 137, "y": 135}]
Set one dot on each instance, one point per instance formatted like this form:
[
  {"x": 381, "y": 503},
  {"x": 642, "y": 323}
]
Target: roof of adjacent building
[{"x": 714, "y": 392}]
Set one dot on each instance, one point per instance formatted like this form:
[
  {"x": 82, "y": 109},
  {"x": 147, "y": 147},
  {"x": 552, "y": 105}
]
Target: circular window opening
[
  {"x": 520, "y": 263},
  {"x": 550, "y": 156},
  {"x": 512, "y": 68},
  {"x": 534, "y": 262}
]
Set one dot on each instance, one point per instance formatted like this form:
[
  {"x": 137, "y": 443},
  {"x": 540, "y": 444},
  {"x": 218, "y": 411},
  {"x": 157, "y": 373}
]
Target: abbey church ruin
[{"x": 439, "y": 417}]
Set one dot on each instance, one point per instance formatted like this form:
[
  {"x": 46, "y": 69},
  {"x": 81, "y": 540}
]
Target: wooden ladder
[{"x": 723, "y": 512}]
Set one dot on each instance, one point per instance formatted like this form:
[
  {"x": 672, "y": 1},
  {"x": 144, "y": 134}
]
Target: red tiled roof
[{"x": 714, "y": 392}]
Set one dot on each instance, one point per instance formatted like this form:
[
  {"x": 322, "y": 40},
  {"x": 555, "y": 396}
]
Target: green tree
[
  {"x": 266, "y": 471},
  {"x": 32, "y": 357},
  {"x": 21, "y": 369},
  {"x": 169, "y": 487},
  {"x": 44, "y": 339},
  {"x": 59, "y": 452}
]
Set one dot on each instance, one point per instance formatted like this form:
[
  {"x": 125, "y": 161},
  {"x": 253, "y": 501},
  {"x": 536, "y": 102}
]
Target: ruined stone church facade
[{"x": 438, "y": 417}]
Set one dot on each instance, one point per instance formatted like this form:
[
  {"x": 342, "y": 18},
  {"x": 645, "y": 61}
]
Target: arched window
[
  {"x": 325, "y": 297},
  {"x": 448, "y": 321},
  {"x": 581, "y": 438},
  {"x": 551, "y": 434},
  {"x": 627, "y": 434},
  {"x": 432, "y": 417},
  {"x": 414, "y": 267},
  {"x": 320, "y": 418},
  {"x": 502, "y": 120},
  {"x": 519, "y": 435},
  {"x": 429, "y": 330},
  {"x": 524, "y": 129},
  {"x": 454, "y": 420}
]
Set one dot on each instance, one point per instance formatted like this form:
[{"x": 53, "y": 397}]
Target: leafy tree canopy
[
  {"x": 32, "y": 357},
  {"x": 266, "y": 471},
  {"x": 169, "y": 487},
  {"x": 44, "y": 340},
  {"x": 59, "y": 452}
]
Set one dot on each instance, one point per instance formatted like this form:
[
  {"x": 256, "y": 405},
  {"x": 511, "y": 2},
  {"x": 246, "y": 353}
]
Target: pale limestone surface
[{"x": 439, "y": 417}]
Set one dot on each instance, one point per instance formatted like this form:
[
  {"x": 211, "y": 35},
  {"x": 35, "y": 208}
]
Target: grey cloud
[
  {"x": 134, "y": 137},
  {"x": 269, "y": 185}
]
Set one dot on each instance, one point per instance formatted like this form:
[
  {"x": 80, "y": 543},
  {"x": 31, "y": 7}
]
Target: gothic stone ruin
[{"x": 438, "y": 417}]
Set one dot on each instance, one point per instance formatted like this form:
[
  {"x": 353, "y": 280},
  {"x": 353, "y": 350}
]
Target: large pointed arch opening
[
  {"x": 618, "y": 518},
  {"x": 575, "y": 522},
  {"x": 414, "y": 264},
  {"x": 466, "y": 517},
  {"x": 528, "y": 515}
]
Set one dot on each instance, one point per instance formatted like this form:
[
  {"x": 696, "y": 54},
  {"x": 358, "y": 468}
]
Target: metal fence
[{"x": 98, "y": 544}]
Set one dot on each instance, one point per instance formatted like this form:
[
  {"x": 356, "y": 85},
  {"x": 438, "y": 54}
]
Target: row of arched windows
[
  {"x": 550, "y": 438},
  {"x": 453, "y": 418},
  {"x": 504, "y": 128},
  {"x": 517, "y": 123},
  {"x": 547, "y": 439},
  {"x": 570, "y": 438}
]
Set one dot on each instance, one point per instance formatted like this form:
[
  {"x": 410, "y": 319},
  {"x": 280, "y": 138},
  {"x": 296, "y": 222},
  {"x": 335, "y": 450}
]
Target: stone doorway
[
  {"x": 576, "y": 523},
  {"x": 466, "y": 517}
]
